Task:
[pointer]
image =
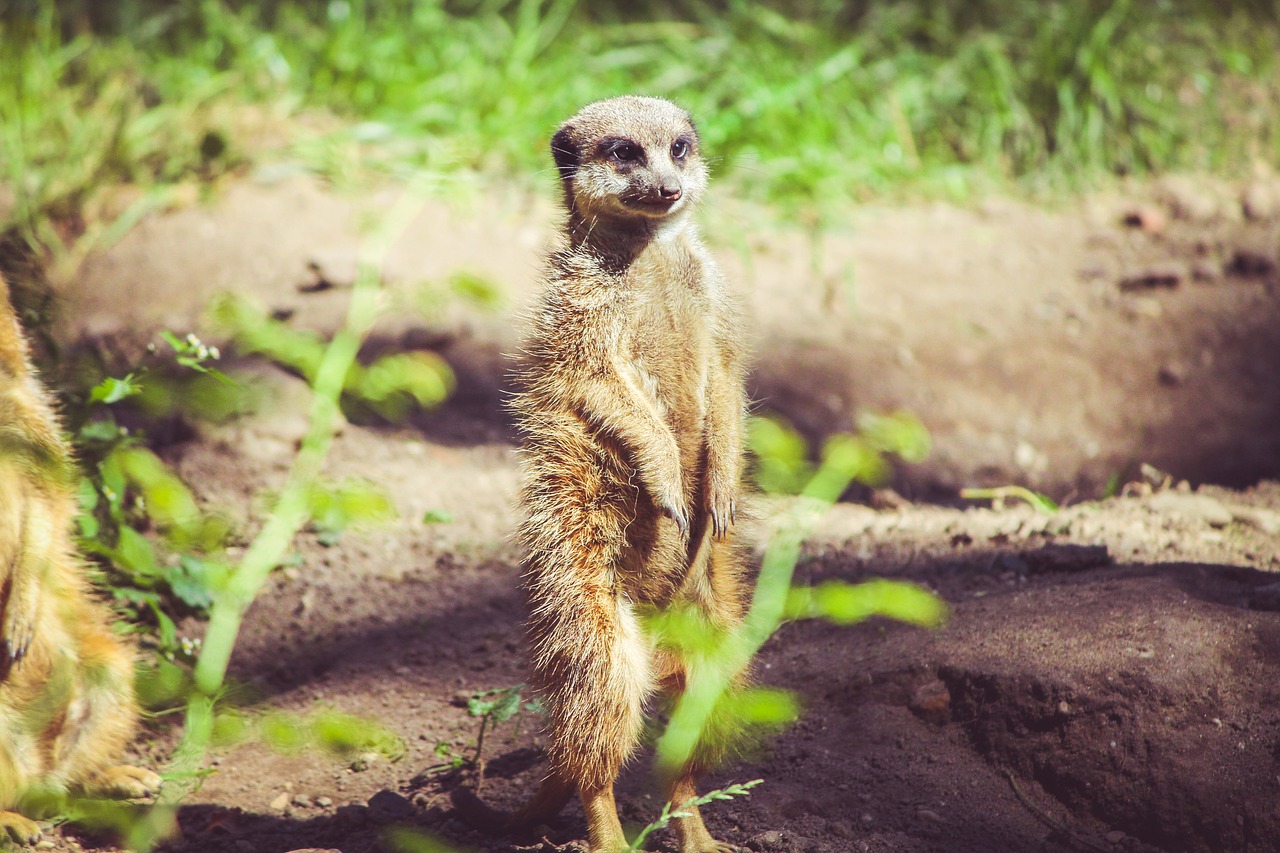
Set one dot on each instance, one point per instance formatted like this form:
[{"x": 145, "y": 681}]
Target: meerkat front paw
[
  {"x": 723, "y": 510},
  {"x": 18, "y": 829},
  {"x": 674, "y": 506},
  {"x": 19, "y": 626},
  {"x": 125, "y": 782}
]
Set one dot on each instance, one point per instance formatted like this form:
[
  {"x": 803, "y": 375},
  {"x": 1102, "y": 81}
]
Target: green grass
[{"x": 827, "y": 103}]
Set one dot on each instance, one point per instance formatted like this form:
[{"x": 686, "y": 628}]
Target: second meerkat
[{"x": 631, "y": 409}]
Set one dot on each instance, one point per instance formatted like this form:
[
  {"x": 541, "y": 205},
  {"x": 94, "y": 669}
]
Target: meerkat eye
[
  {"x": 679, "y": 149},
  {"x": 625, "y": 153}
]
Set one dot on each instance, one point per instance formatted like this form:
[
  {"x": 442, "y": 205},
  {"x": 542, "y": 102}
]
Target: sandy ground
[{"x": 1108, "y": 677}]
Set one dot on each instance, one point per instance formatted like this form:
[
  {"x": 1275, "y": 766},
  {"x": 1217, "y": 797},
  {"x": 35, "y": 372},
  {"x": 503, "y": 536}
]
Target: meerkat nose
[{"x": 669, "y": 193}]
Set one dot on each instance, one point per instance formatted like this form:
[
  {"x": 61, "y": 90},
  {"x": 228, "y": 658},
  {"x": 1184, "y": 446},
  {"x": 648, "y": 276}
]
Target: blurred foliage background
[{"x": 807, "y": 103}]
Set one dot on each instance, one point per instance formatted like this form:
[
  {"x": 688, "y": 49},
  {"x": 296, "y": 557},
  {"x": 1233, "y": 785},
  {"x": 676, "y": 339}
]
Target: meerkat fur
[
  {"x": 67, "y": 707},
  {"x": 631, "y": 406}
]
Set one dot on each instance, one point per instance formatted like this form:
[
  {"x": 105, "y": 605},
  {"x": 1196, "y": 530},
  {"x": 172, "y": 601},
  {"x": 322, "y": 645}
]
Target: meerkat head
[{"x": 630, "y": 157}]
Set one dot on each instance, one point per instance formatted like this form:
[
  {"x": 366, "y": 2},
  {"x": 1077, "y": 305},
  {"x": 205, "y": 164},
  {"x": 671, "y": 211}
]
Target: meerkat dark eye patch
[
  {"x": 565, "y": 152},
  {"x": 621, "y": 150}
]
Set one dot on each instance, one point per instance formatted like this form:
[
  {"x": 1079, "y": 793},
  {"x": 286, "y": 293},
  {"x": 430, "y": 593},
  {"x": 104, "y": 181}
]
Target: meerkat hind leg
[
  {"x": 546, "y": 803},
  {"x": 18, "y": 829},
  {"x": 691, "y": 832}
]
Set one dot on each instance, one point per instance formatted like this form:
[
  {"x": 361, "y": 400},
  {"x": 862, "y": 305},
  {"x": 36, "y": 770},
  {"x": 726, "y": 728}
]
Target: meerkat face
[{"x": 630, "y": 157}]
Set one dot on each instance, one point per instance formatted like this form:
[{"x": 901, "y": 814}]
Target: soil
[{"x": 1109, "y": 676}]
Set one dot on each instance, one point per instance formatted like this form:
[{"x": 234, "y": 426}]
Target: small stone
[
  {"x": 364, "y": 761},
  {"x": 1064, "y": 708},
  {"x": 388, "y": 806},
  {"x": 1201, "y": 508},
  {"x": 1188, "y": 200},
  {"x": 1266, "y": 520},
  {"x": 1206, "y": 270},
  {"x": 1260, "y": 201},
  {"x": 1145, "y": 217},
  {"x": 867, "y": 819},
  {"x": 1172, "y": 374},
  {"x": 1115, "y": 836},
  {"x": 324, "y": 802},
  {"x": 932, "y": 702},
  {"x": 771, "y": 840},
  {"x": 280, "y": 803},
  {"x": 1167, "y": 274},
  {"x": 332, "y": 268},
  {"x": 1252, "y": 263},
  {"x": 929, "y": 816},
  {"x": 301, "y": 800}
]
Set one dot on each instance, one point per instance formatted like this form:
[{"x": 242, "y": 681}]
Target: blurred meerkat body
[
  {"x": 67, "y": 706},
  {"x": 631, "y": 411}
]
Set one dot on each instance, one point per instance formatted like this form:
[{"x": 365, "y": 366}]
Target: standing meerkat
[
  {"x": 631, "y": 409},
  {"x": 67, "y": 707}
]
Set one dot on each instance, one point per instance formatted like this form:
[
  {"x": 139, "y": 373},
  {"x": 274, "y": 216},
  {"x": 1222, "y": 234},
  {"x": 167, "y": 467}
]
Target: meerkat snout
[{"x": 629, "y": 157}]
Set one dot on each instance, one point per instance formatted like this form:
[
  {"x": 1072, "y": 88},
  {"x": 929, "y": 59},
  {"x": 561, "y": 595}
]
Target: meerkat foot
[
  {"x": 124, "y": 782},
  {"x": 18, "y": 829}
]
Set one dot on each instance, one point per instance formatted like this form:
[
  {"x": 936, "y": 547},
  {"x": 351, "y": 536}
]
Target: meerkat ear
[{"x": 565, "y": 152}]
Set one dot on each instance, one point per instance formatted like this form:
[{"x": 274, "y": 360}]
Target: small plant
[
  {"x": 1000, "y": 494},
  {"x": 669, "y": 814},
  {"x": 128, "y": 492},
  {"x": 493, "y": 707}
]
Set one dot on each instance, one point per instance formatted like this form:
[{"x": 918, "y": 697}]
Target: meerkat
[
  {"x": 67, "y": 706},
  {"x": 630, "y": 406}
]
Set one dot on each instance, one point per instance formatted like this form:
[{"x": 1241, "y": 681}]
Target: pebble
[
  {"x": 1165, "y": 274},
  {"x": 388, "y": 806},
  {"x": 301, "y": 800},
  {"x": 929, "y": 816},
  {"x": 1252, "y": 263},
  {"x": 1115, "y": 836},
  {"x": 771, "y": 840},
  {"x": 1261, "y": 201},
  {"x": 1146, "y": 217},
  {"x": 932, "y": 702},
  {"x": 1194, "y": 507},
  {"x": 1266, "y": 520},
  {"x": 1189, "y": 201},
  {"x": 280, "y": 803},
  {"x": 1206, "y": 270},
  {"x": 1172, "y": 374},
  {"x": 324, "y": 802}
]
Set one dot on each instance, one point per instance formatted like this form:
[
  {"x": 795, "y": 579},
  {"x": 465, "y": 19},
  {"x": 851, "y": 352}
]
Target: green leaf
[
  {"x": 499, "y": 705},
  {"x": 845, "y": 603},
  {"x": 765, "y": 706},
  {"x": 112, "y": 390},
  {"x": 1000, "y": 494},
  {"x": 284, "y": 732},
  {"x": 437, "y": 516},
  {"x": 899, "y": 433},
  {"x": 782, "y": 465},
  {"x": 137, "y": 556}
]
